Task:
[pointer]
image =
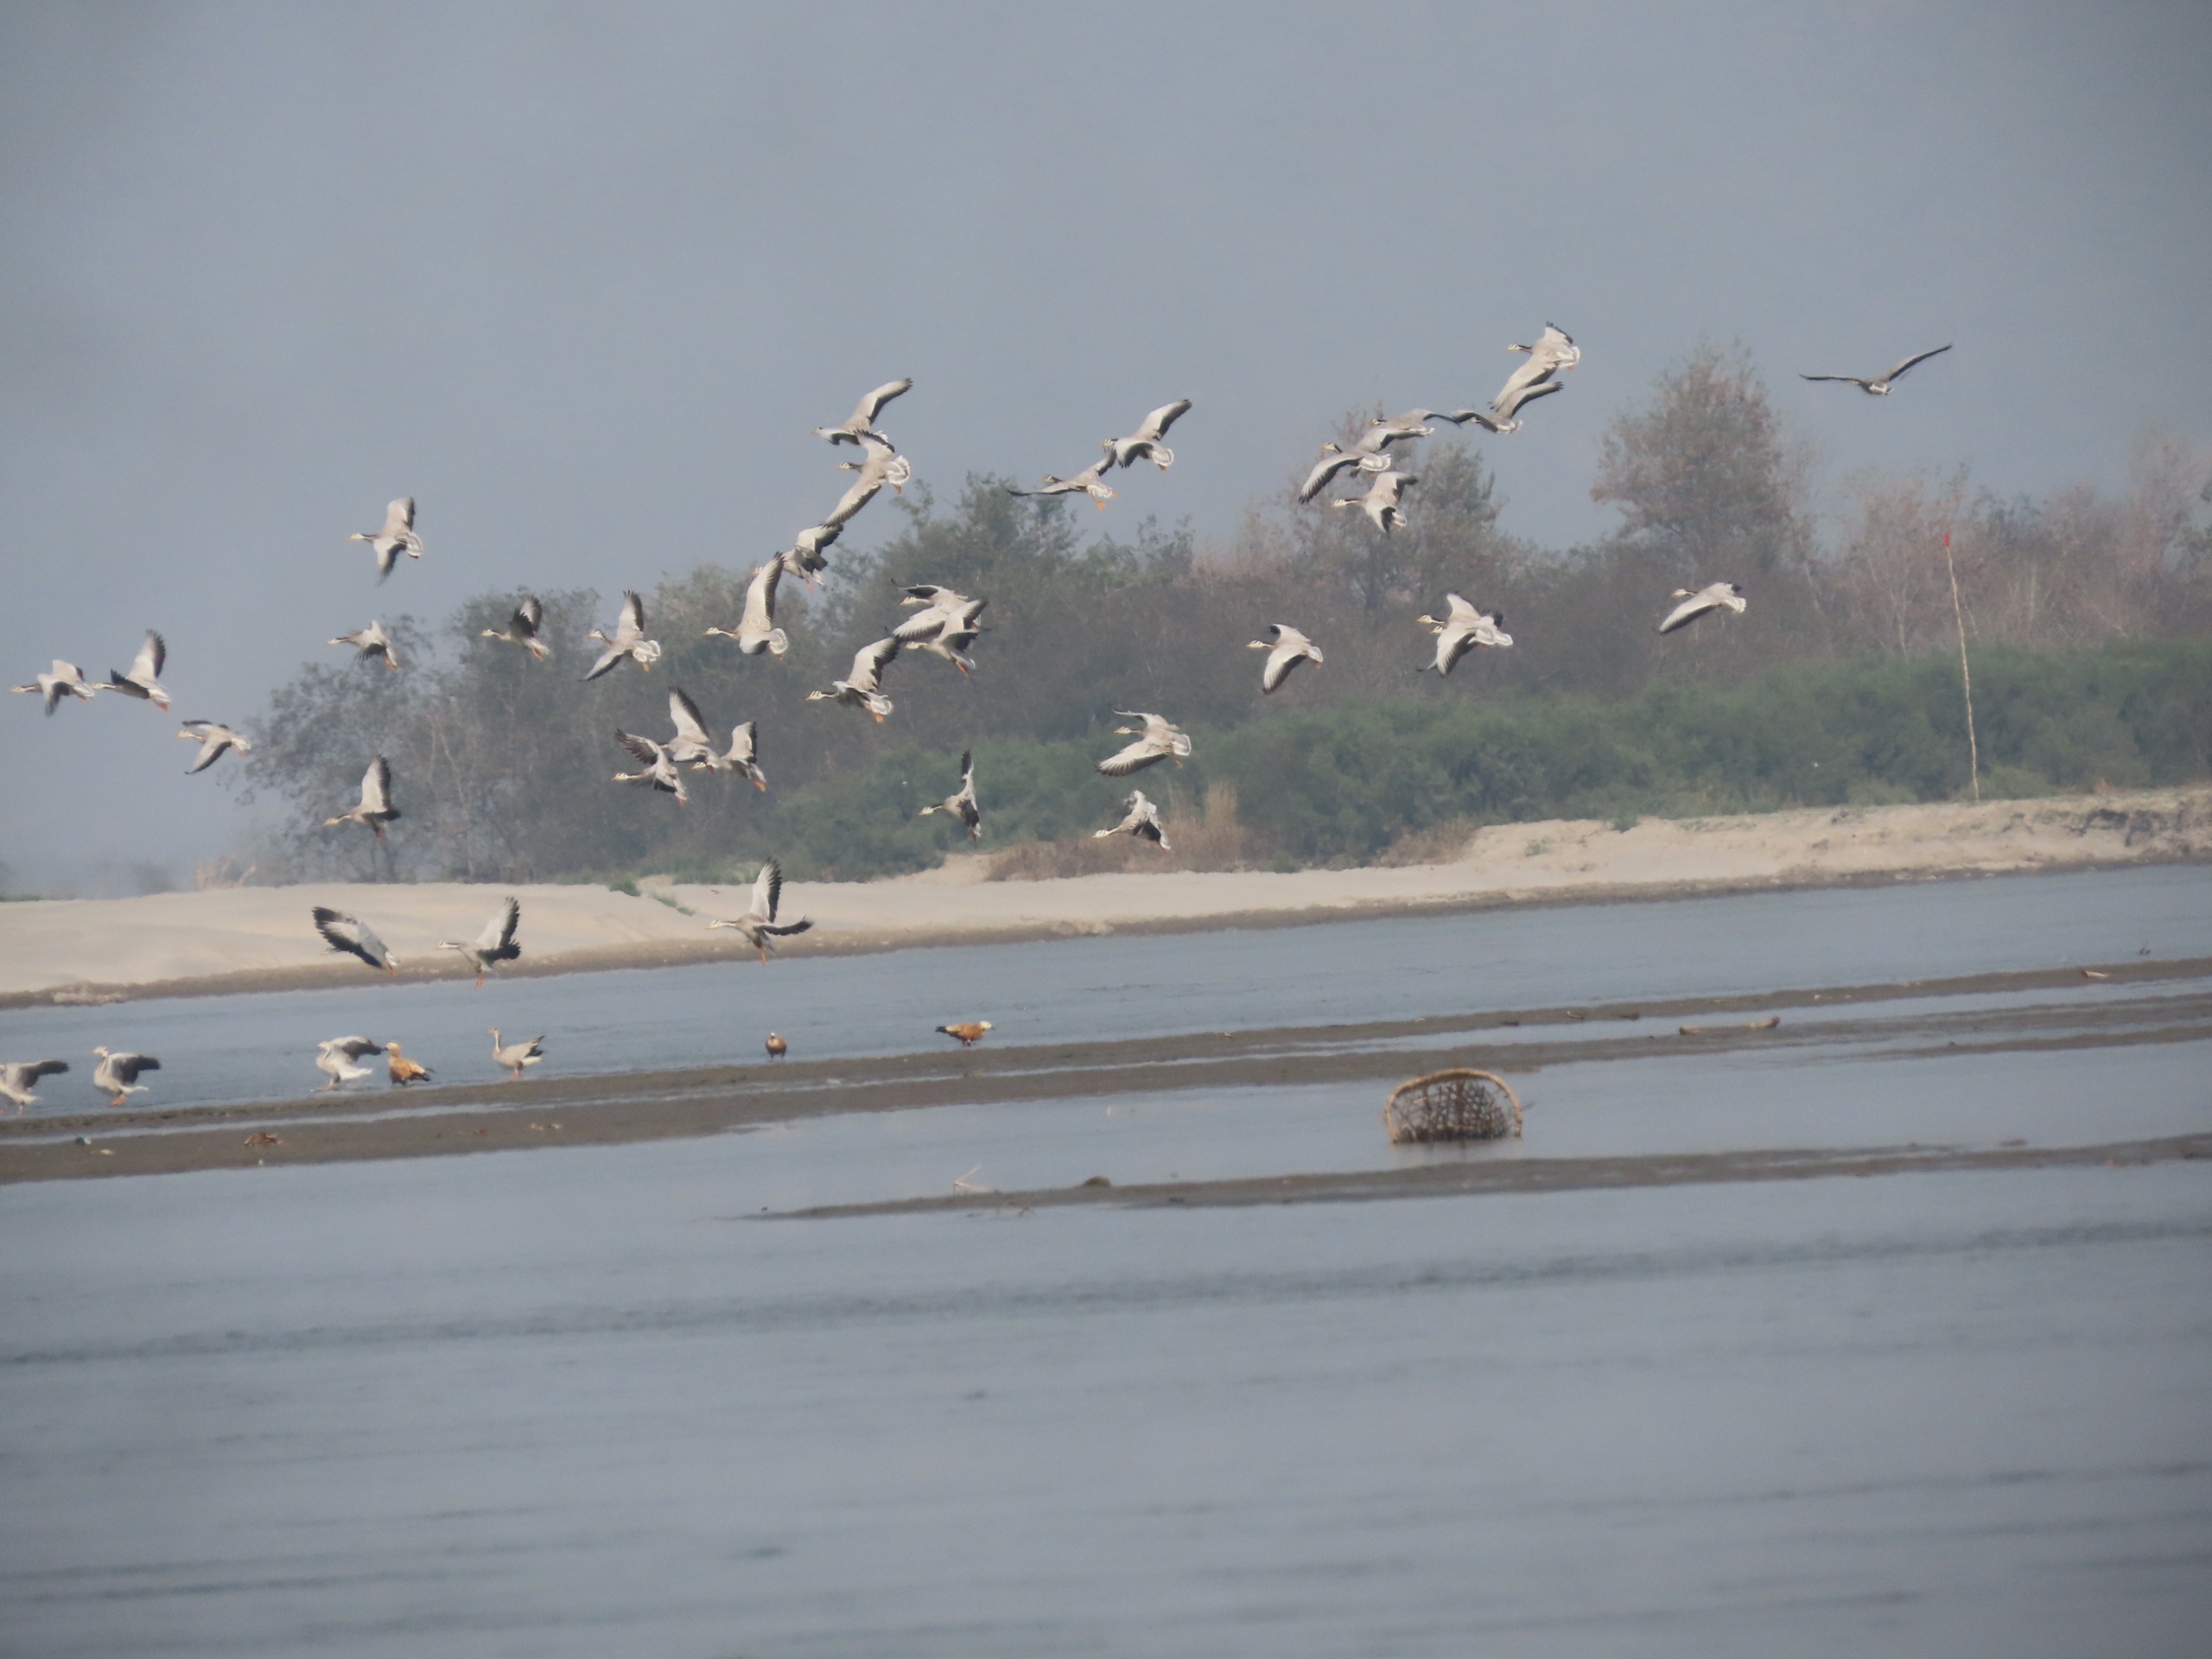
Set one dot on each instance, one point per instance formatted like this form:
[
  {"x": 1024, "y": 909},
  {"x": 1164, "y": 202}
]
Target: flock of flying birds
[{"x": 945, "y": 624}]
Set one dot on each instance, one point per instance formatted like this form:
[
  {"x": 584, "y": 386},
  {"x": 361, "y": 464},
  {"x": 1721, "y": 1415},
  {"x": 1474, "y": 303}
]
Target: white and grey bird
[
  {"x": 515, "y": 1056},
  {"x": 1462, "y": 628},
  {"x": 397, "y": 536},
  {"x": 116, "y": 1074},
  {"x": 495, "y": 945},
  {"x": 756, "y": 630},
  {"x": 213, "y": 738},
  {"x": 1504, "y": 412},
  {"x": 861, "y": 422},
  {"x": 862, "y": 688},
  {"x": 962, "y": 806},
  {"x": 1705, "y": 601},
  {"x": 1090, "y": 481},
  {"x": 758, "y": 924},
  {"x": 352, "y": 936},
  {"x": 18, "y": 1077},
  {"x": 879, "y": 464},
  {"x": 628, "y": 639},
  {"x": 373, "y": 642},
  {"x": 1369, "y": 451},
  {"x": 1287, "y": 648},
  {"x": 742, "y": 755},
  {"x": 522, "y": 627},
  {"x": 1141, "y": 820},
  {"x": 336, "y": 1060},
  {"x": 1880, "y": 384},
  {"x": 375, "y": 808},
  {"x": 951, "y": 644},
  {"x": 1144, "y": 443},
  {"x": 941, "y": 610},
  {"x": 64, "y": 680},
  {"x": 661, "y": 770},
  {"x": 692, "y": 741},
  {"x": 1554, "y": 353},
  {"x": 802, "y": 558},
  {"x": 1381, "y": 504},
  {"x": 1157, "y": 739},
  {"x": 143, "y": 680}
]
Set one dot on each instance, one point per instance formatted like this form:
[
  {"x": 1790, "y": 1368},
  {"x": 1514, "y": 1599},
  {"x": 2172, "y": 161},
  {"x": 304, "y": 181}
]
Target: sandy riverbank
[{"x": 260, "y": 937}]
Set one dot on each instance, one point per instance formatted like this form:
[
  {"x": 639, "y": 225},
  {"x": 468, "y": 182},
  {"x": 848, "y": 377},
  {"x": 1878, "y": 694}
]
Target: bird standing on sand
[
  {"x": 1721, "y": 595},
  {"x": 117, "y": 1075},
  {"x": 515, "y": 1056},
  {"x": 1159, "y": 740},
  {"x": 759, "y": 925},
  {"x": 213, "y": 737},
  {"x": 17, "y": 1077},
  {"x": 1286, "y": 647},
  {"x": 63, "y": 680},
  {"x": 756, "y": 630},
  {"x": 1142, "y": 821},
  {"x": 777, "y": 1046},
  {"x": 628, "y": 640},
  {"x": 861, "y": 422},
  {"x": 372, "y": 642},
  {"x": 1144, "y": 443},
  {"x": 862, "y": 687},
  {"x": 661, "y": 770},
  {"x": 375, "y": 808},
  {"x": 1880, "y": 384},
  {"x": 1462, "y": 629},
  {"x": 962, "y": 806},
  {"x": 397, "y": 536},
  {"x": 495, "y": 945},
  {"x": 335, "y": 1060},
  {"x": 967, "y": 1033},
  {"x": 353, "y": 937},
  {"x": 522, "y": 627},
  {"x": 403, "y": 1071},
  {"x": 143, "y": 680}
]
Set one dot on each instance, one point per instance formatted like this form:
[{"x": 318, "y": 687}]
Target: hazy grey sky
[{"x": 580, "y": 278}]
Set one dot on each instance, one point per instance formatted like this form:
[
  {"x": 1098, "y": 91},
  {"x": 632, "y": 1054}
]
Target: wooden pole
[{"x": 1966, "y": 678}]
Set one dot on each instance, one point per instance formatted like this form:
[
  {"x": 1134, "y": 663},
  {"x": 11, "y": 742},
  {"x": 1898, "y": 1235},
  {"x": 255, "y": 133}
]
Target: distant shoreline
[{"x": 248, "y": 940}]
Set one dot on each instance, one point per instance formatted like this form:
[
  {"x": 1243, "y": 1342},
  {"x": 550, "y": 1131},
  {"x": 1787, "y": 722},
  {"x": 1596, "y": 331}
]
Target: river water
[{"x": 586, "y": 1401}]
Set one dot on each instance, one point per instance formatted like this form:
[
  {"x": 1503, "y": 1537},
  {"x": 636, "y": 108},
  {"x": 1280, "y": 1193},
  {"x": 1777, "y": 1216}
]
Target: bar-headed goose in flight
[
  {"x": 627, "y": 640},
  {"x": 941, "y": 610},
  {"x": 515, "y": 1056},
  {"x": 1142, "y": 821},
  {"x": 1504, "y": 413},
  {"x": 660, "y": 768},
  {"x": 692, "y": 741},
  {"x": 1381, "y": 503},
  {"x": 18, "y": 1077},
  {"x": 1157, "y": 739},
  {"x": 756, "y": 630},
  {"x": 962, "y": 806},
  {"x": 64, "y": 680},
  {"x": 862, "y": 688},
  {"x": 336, "y": 1060},
  {"x": 861, "y": 422},
  {"x": 373, "y": 642},
  {"x": 1720, "y": 596},
  {"x": 1144, "y": 443},
  {"x": 758, "y": 924},
  {"x": 1090, "y": 481},
  {"x": 401, "y": 1070},
  {"x": 143, "y": 680},
  {"x": 1462, "y": 628},
  {"x": 397, "y": 536},
  {"x": 354, "y": 937},
  {"x": 802, "y": 558},
  {"x": 1286, "y": 647},
  {"x": 522, "y": 627},
  {"x": 950, "y": 643},
  {"x": 878, "y": 465},
  {"x": 213, "y": 737},
  {"x": 116, "y": 1074},
  {"x": 375, "y": 808},
  {"x": 1369, "y": 451},
  {"x": 1554, "y": 353},
  {"x": 1880, "y": 386},
  {"x": 495, "y": 945}
]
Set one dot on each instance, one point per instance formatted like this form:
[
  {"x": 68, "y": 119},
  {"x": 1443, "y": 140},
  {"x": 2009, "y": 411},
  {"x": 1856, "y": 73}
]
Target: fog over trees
[{"x": 503, "y": 765}]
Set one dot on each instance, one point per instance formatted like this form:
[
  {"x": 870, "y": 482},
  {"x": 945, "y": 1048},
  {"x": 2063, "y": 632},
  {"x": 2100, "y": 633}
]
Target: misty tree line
[{"x": 503, "y": 765}]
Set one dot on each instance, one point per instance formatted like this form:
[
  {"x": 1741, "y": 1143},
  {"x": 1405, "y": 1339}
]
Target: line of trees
[{"x": 502, "y": 764}]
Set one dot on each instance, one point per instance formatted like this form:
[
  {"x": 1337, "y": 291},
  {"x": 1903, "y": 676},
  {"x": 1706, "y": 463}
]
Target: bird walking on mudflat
[
  {"x": 777, "y": 1046},
  {"x": 403, "y": 1071},
  {"x": 967, "y": 1033},
  {"x": 515, "y": 1056}
]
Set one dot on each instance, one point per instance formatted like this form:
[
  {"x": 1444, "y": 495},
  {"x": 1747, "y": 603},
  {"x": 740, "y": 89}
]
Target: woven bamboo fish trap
[{"x": 1462, "y": 1104}]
